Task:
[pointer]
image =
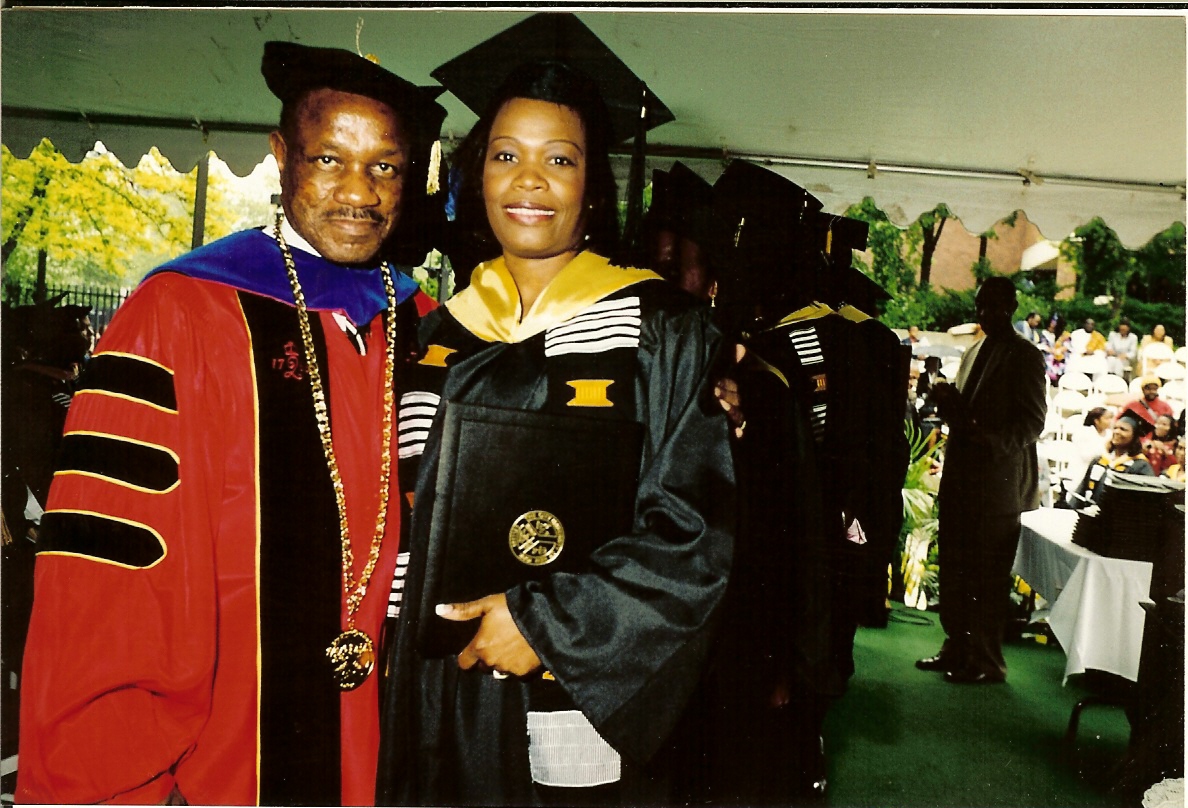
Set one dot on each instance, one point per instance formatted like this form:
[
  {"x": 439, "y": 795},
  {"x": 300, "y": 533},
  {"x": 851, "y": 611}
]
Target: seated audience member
[
  {"x": 1029, "y": 327},
  {"x": 1176, "y": 471},
  {"x": 1054, "y": 343},
  {"x": 925, "y": 406},
  {"x": 1158, "y": 335},
  {"x": 931, "y": 375},
  {"x": 914, "y": 337},
  {"x": 1150, "y": 406},
  {"x": 1121, "y": 350},
  {"x": 1090, "y": 440},
  {"x": 1159, "y": 447},
  {"x": 1087, "y": 339},
  {"x": 1125, "y": 454}
]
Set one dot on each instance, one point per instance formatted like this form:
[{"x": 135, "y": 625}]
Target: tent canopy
[{"x": 1064, "y": 115}]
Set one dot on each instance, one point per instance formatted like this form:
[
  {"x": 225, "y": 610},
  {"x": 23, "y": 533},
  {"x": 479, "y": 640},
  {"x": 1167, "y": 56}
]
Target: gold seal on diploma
[{"x": 536, "y": 538}]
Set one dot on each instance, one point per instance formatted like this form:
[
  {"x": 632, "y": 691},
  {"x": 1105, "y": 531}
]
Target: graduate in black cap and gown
[
  {"x": 1124, "y": 455},
  {"x": 206, "y": 625},
  {"x": 681, "y": 236},
  {"x": 821, "y": 465},
  {"x": 565, "y": 687}
]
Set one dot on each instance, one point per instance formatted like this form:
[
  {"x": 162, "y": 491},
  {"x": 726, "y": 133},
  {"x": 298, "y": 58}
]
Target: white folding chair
[
  {"x": 1109, "y": 384},
  {"x": 1053, "y": 424},
  {"x": 1069, "y": 426},
  {"x": 1058, "y": 455},
  {"x": 1074, "y": 380},
  {"x": 1169, "y": 370},
  {"x": 1069, "y": 402},
  {"x": 1088, "y": 364},
  {"x": 1153, "y": 355},
  {"x": 1175, "y": 393}
]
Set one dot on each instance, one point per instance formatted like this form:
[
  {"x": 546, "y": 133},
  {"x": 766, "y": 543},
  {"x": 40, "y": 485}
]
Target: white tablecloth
[{"x": 1095, "y": 600}]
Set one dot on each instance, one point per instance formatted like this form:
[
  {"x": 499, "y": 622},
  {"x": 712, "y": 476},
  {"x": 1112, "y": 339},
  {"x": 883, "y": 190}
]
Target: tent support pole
[
  {"x": 39, "y": 290},
  {"x": 200, "y": 184}
]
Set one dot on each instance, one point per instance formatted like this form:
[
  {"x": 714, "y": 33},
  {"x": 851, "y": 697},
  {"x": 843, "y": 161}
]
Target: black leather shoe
[
  {"x": 934, "y": 663},
  {"x": 970, "y": 676}
]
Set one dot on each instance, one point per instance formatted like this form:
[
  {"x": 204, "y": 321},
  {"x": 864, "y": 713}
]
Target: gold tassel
[{"x": 432, "y": 185}]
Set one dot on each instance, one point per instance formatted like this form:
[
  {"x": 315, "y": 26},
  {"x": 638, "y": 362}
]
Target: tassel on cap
[{"x": 433, "y": 181}]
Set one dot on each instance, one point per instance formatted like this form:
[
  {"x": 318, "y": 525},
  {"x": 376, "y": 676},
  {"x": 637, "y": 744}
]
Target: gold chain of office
[{"x": 352, "y": 654}]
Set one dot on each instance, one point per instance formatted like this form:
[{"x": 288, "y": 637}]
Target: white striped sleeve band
[
  {"x": 808, "y": 348},
  {"x": 602, "y": 327},
  {"x": 417, "y": 410},
  {"x": 396, "y": 596}
]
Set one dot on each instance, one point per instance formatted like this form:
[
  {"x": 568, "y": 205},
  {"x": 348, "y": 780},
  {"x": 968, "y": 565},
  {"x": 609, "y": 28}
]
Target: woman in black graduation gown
[
  {"x": 1125, "y": 454},
  {"x": 572, "y": 684}
]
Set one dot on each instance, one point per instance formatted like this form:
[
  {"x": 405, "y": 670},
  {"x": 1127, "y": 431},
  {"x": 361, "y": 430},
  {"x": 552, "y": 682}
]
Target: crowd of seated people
[
  {"x": 1143, "y": 436},
  {"x": 1125, "y": 354}
]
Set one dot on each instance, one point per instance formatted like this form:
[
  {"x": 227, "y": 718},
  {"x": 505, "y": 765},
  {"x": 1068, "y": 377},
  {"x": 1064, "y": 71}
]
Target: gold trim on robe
[{"x": 490, "y": 307}]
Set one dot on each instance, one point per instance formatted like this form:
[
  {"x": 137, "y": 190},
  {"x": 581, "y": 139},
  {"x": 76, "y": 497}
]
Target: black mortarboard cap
[
  {"x": 422, "y": 218},
  {"x": 691, "y": 199},
  {"x": 762, "y": 208},
  {"x": 771, "y": 253},
  {"x": 1139, "y": 425},
  {"x": 660, "y": 211},
  {"x": 476, "y": 75},
  {"x": 290, "y": 70},
  {"x": 848, "y": 285}
]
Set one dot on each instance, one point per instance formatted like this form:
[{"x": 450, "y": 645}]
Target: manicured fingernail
[{"x": 443, "y": 609}]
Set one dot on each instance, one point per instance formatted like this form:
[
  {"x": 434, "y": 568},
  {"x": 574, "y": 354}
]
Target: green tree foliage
[
  {"x": 98, "y": 221},
  {"x": 1160, "y": 264},
  {"x": 1146, "y": 285},
  {"x": 895, "y": 253},
  {"x": 889, "y": 267},
  {"x": 981, "y": 269},
  {"x": 1104, "y": 265}
]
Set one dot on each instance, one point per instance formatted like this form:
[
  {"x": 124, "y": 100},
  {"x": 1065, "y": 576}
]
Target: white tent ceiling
[{"x": 1091, "y": 104}]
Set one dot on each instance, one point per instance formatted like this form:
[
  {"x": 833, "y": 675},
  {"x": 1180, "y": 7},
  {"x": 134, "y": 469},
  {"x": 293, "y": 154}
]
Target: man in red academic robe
[
  {"x": 1150, "y": 406},
  {"x": 205, "y": 624}
]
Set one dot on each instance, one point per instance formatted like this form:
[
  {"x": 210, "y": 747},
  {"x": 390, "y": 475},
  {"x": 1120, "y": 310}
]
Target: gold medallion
[
  {"x": 536, "y": 538},
  {"x": 352, "y": 658}
]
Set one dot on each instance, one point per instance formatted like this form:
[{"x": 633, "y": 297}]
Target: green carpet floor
[{"x": 903, "y": 737}]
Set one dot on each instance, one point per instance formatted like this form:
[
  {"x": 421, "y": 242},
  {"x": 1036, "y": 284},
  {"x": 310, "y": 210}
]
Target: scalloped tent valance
[{"x": 912, "y": 109}]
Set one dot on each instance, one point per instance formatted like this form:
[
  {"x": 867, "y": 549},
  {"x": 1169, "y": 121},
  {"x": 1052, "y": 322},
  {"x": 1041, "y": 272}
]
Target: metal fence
[{"x": 103, "y": 301}]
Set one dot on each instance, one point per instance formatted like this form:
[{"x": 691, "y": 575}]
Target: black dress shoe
[
  {"x": 934, "y": 663},
  {"x": 971, "y": 676}
]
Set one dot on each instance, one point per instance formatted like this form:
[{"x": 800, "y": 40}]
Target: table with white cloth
[{"x": 1095, "y": 613}]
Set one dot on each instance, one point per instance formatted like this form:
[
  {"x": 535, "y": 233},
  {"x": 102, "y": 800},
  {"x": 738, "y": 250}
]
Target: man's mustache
[{"x": 354, "y": 213}]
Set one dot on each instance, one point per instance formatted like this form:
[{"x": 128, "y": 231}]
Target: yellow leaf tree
[{"x": 98, "y": 221}]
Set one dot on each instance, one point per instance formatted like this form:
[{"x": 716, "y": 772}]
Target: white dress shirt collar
[{"x": 295, "y": 239}]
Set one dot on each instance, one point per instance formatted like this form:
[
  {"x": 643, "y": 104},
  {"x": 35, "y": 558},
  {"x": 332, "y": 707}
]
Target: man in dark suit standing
[{"x": 995, "y": 413}]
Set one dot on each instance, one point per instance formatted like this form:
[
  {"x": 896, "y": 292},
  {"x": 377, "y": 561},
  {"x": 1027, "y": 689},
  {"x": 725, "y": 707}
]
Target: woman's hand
[
  {"x": 498, "y": 643},
  {"x": 726, "y": 391}
]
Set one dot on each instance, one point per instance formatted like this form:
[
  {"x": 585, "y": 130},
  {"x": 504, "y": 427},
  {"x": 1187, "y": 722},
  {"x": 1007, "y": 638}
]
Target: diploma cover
[{"x": 520, "y": 496}]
